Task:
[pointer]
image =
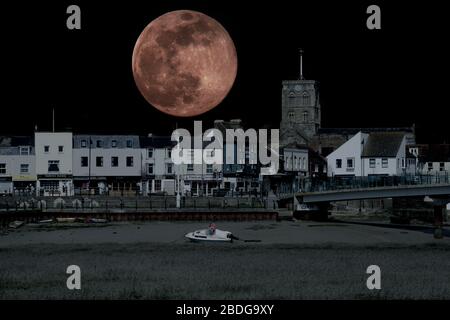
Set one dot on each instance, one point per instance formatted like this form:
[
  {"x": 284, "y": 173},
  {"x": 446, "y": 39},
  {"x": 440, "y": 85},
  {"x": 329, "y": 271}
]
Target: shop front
[{"x": 54, "y": 185}]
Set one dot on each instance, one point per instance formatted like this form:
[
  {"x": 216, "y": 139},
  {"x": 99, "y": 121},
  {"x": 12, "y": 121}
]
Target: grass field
[{"x": 202, "y": 271}]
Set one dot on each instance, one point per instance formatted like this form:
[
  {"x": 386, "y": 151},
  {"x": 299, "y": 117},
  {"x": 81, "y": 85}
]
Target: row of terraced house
[{"x": 62, "y": 163}]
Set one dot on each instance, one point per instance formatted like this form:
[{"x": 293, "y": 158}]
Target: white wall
[
  {"x": 436, "y": 168},
  {"x": 295, "y": 160},
  {"x": 394, "y": 166},
  {"x": 350, "y": 149},
  {"x": 107, "y": 169},
  {"x": 13, "y": 163},
  {"x": 159, "y": 160},
  {"x": 53, "y": 140}
]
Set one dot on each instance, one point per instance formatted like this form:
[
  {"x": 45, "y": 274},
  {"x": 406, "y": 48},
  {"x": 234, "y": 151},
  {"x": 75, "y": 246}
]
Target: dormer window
[{"x": 24, "y": 151}]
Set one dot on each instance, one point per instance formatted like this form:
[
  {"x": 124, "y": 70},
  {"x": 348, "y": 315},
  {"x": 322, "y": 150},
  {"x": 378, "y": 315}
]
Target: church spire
[{"x": 301, "y": 64}]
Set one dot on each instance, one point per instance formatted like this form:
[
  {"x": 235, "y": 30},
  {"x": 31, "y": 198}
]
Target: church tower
[{"x": 300, "y": 107}]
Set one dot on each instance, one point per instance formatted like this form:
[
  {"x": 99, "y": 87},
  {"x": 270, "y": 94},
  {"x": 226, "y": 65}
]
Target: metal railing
[
  {"x": 344, "y": 183},
  {"x": 129, "y": 204}
]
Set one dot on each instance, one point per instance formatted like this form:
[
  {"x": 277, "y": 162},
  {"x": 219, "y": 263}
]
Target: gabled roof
[{"x": 383, "y": 144}]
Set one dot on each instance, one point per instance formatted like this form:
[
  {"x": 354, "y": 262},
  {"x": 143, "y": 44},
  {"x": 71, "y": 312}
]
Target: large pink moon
[{"x": 184, "y": 63}]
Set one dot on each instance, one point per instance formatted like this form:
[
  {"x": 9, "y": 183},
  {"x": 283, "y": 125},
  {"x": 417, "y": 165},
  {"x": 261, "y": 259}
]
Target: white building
[
  {"x": 54, "y": 163},
  {"x": 434, "y": 159},
  {"x": 17, "y": 165},
  {"x": 157, "y": 165},
  {"x": 384, "y": 154},
  {"x": 346, "y": 160},
  {"x": 200, "y": 179},
  {"x": 107, "y": 164},
  {"x": 296, "y": 160},
  {"x": 373, "y": 154}
]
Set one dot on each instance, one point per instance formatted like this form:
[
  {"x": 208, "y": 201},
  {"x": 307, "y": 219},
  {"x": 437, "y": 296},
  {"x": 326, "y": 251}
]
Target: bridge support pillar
[
  {"x": 314, "y": 212},
  {"x": 439, "y": 211}
]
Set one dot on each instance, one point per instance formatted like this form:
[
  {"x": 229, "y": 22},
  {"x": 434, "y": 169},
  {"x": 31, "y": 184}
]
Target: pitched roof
[{"x": 383, "y": 144}]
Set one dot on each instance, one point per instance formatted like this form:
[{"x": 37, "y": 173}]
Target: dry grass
[{"x": 202, "y": 271}]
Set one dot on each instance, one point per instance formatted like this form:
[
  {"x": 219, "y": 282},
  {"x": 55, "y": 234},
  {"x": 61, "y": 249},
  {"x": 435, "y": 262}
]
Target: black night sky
[{"x": 388, "y": 77}]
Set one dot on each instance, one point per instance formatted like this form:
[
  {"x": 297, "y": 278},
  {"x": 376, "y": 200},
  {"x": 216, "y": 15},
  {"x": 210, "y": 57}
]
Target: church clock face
[{"x": 298, "y": 88}]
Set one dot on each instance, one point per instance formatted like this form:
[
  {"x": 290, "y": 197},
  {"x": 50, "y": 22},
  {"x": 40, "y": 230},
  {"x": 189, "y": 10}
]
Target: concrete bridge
[
  {"x": 320, "y": 194},
  {"x": 400, "y": 191}
]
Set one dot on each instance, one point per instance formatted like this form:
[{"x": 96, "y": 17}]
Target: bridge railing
[{"x": 344, "y": 183}]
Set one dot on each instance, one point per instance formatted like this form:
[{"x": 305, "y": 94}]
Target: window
[
  {"x": 24, "y": 151},
  {"x": 99, "y": 161},
  {"x": 99, "y": 143},
  {"x": 114, "y": 161},
  {"x": 113, "y": 143},
  {"x": 2, "y": 168},
  {"x": 24, "y": 168},
  {"x": 291, "y": 115},
  {"x": 129, "y": 161},
  {"x": 441, "y": 166},
  {"x": 209, "y": 168},
  {"x": 338, "y": 163},
  {"x": 129, "y": 143},
  {"x": 430, "y": 166},
  {"x": 50, "y": 185},
  {"x": 150, "y": 168},
  {"x": 83, "y": 143},
  {"x": 306, "y": 99},
  {"x": 46, "y": 149},
  {"x": 150, "y": 153},
  {"x": 350, "y": 163},
  {"x": 84, "y": 161},
  {"x": 157, "y": 185},
  {"x": 53, "y": 165},
  {"x": 305, "y": 116},
  {"x": 169, "y": 153},
  {"x": 190, "y": 167},
  {"x": 60, "y": 149},
  {"x": 169, "y": 168},
  {"x": 371, "y": 163},
  {"x": 384, "y": 163},
  {"x": 403, "y": 162}
]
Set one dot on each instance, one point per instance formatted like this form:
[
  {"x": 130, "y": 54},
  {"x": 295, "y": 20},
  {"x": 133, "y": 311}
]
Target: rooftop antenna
[
  {"x": 301, "y": 64},
  {"x": 53, "y": 119}
]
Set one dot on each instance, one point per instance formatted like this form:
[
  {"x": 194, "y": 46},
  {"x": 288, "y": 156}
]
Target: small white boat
[
  {"x": 16, "y": 224},
  {"x": 210, "y": 235}
]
